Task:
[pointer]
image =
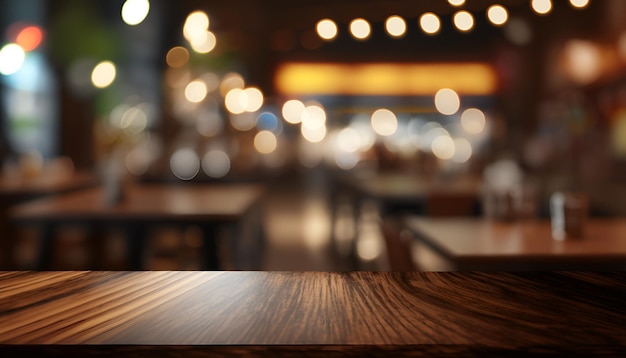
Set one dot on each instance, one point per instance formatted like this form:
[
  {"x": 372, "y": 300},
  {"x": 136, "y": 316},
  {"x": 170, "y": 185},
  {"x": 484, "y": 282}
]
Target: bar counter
[{"x": 172, "y": 313}]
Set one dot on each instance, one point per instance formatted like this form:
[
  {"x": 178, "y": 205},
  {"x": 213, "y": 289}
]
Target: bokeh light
[
  {"x": 313, "y": 117},
  {"x": 443, "y": 147},
  {"x": 579, "y": 4},
  {"x": 254, "y": 99},
  {"x": 216, "y": 164},
  {"x": 447, "y": 101},
  {"x": 497, "y": 14},
  {"x": 292, "y": 111},
  {"x": 349, "y": 140},
  {"x": 395, "y": 26},
  {"x": 473, "y": 120},
  {"x": 462, "y": 150},
  {"x": 231, "y": 81},
  {"x": 360, "y": 29},
  {"x": 430, "y": 23},
  {"x": 265, "y": 142},
  {"x": 177, "y": 57},
  {"x": 185, "y": 164},
  {"x": 103, "y": 74},
  {"x": 518, "y": 31},
  {"x": 135, "y": 11},
  {"x": 29, "y": 38},
  {"x": 456, "y": 2},
  {"x": 236, "y": 101},
  {"x": 203, "y": 42},
  {"x": 196, "y": 25},
  {"x": 384, "y": 122},
  {"x": 11, "y": 59},
  {"x": 196, "y": 91},
  {"x": 314, "y": 135},
  {"x": 464, "y": 21},
  {"x": 267, "y": 121},
  {"x": 326, "y": 29},
  {"x": 541, "y": 7}
]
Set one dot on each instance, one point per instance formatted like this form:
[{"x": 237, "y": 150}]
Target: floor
[{"x": 297, "y": 229}]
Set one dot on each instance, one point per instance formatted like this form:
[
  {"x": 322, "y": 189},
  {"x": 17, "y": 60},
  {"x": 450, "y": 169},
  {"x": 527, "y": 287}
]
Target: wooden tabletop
[
  {"x": 402, "y": 186},
  {"x": 480, "y": 243},
  {"x": 146, "y": 202},
  {"x": 415, "y": 313},
  {"x": 51, "y": 183}
]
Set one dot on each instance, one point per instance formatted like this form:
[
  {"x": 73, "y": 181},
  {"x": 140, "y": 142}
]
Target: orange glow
[
  {"x": 29, "y": 38},
  {"x": 385, "y": 78}
]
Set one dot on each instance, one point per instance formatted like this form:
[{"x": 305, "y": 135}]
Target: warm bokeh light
[
  {"x": 497, "y": 14},
  {"x": 203, "y": 42},
  {"x": 447, "y": 101},
  {"x": 583, "y": 61},
  {"x": 135, "y": 11},
  {"x": 216, "y": 163},
  {"x": 265, "y": 142},
  {"x": 103, "y": 74},
  {"x": 430, "y": 23},
  {"x": 231, "y": 81},
  {"x": 11, "y": 59},
  {"x": 443, "y": 147},
  {"x": 462, "y": 150},
  {"x": 236, "y": 101},
  {"x": 384, "y": 122},
  {"x": 196, "y": 91},
  {"x": 177, "y": 57},
  {"x": 29, "y": 38},
  {"x": 137, "y": 161},
  {"x": 395, "y": 26},
  {"x": 541, "y": 7},
  {"x": 243, "y": 121},
  {"x": 473, "y": 120},
  {"x": 313, "y": 135},
  {"x": 360, "y": 29},
  {"x": 579, "y": 4},
  {"x": 196, "y": 24},
  {"x": 349, "y": 140},
  {"x": 326, "y": 29},
  {"x": 313, "y": 117},
  {"x": 254, "y": 99},
  {"x": 384, "y": 79},
  {"x": 292, "y": 111},
  {"x": 456, "y": 2},
  {"x": 464, "y": 21},
  {"x": 185, "y": 164}
]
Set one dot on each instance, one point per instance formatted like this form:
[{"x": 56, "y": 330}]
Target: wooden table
[
  {"x": 441, "y": 314},
  {"x": 15, "y": 190},
  {"x": 144, "y": 206},
  {"x": 401, "y": 193},
  {"x": 483, "y": 244}
]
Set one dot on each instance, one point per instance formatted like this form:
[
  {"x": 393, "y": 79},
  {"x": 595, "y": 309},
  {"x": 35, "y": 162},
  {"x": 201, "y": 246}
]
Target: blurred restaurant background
[{"x": 308, "y": 98}]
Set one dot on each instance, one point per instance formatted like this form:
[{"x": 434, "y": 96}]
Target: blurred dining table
[
  {"x": 16, "y": 189},
  {"x": 397, "y": 193},
  {"x": 462, "y": 243},
  {"x": 142, "y": 208},
  {"x": 312, "y": 314}
]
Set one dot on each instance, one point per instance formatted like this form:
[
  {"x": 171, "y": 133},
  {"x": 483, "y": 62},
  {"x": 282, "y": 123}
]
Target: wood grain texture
[
  {"x": 481, "y": 244},
  {"x": 436, "y": 313}
]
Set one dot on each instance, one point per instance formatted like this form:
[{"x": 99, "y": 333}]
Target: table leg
[{"x": 209, "y": 247}]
